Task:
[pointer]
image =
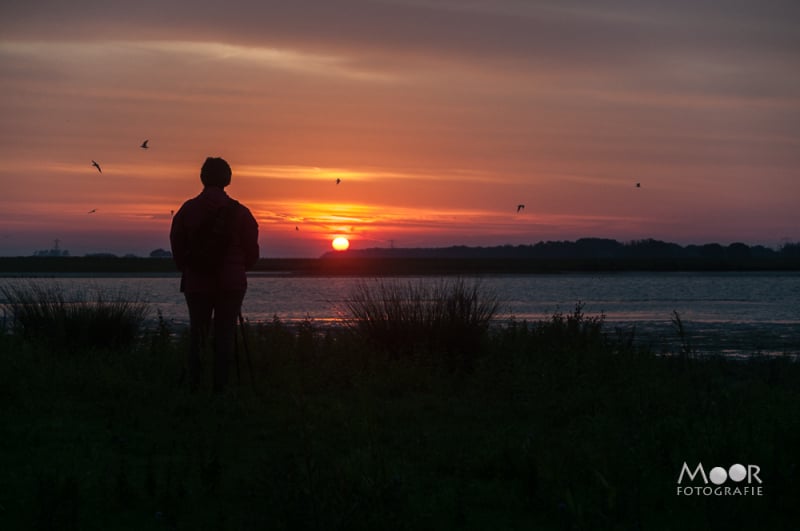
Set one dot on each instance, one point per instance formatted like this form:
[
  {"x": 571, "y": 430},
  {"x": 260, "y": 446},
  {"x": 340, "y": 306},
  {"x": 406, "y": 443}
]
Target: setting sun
[{"x": 340, "y": 243}]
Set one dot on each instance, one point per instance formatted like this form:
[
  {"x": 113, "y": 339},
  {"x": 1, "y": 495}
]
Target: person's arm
[
  {"x": 178, "y": 240},
  {"x": 250, "y": 240}
]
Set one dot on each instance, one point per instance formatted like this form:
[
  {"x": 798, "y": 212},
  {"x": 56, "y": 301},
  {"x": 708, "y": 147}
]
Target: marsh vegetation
[{"x": 417, "y": 415}]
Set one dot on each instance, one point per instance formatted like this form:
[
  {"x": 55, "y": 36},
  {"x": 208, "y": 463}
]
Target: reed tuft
[
  {"x": 69, "y": 321},
  {"x": 445, "y": 321}
]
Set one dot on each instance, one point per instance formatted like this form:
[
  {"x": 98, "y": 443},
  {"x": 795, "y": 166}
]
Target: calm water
[{"x": 733, "y": 313}]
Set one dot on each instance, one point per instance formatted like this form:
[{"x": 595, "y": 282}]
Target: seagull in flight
[
  {"x": 520, "y": 207},
  {"x": 92, "y": 211},
  {"x": 96, "y": 165},
  {"x": 144, "y": 145}
]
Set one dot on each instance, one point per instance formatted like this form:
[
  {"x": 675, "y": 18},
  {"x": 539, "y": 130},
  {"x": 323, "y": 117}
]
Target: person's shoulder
[
  {"x": 238, "y": 204},
  {"x": 194, "y": 200},
  {"x": 244, "y": 210},
  {"x": 187, "y": 204}
]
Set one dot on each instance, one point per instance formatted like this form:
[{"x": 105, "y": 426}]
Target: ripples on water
[{"x": 731, "y": 313}]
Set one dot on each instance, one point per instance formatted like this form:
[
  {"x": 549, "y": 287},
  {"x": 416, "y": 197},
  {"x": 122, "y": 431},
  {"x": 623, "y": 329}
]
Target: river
[{"x": 729, "y": 313}]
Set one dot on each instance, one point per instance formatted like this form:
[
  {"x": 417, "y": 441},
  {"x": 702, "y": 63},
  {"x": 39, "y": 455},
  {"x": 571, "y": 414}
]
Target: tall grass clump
[
  {"x": 686, "y": 354},
  {"x": 568, "y": 350},
  {"x": 46, "y": 313},
  {"x": 445, "y": 320},
  {"x": 572, "y": 332}
]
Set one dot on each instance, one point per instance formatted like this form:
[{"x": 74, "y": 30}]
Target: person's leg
[
  {"x": 227, "y": 306},
  {"x": 200, "y": 306}
]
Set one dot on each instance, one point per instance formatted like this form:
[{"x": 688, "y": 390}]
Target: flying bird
[
  {"x": 296, "y": 227},
  {"x": 638, "y": 185},
  {"x": 338, "y": 181},
  {"x": 144, "y": 145},
  {"x": 92, "y": 211},
  {"x": 96, "y": 165},
  {"x": 520, "y": 207}
]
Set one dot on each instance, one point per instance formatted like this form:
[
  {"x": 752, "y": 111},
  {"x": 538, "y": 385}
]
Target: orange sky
[{"x": 438, "y": 117}]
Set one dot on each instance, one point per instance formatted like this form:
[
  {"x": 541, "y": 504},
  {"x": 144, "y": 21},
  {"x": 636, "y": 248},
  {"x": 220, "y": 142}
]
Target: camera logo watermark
[{"x": 738, "y": 480}]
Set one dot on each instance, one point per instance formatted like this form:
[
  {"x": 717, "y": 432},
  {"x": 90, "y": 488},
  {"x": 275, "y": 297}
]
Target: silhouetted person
[{"x": 217, "y": 287}]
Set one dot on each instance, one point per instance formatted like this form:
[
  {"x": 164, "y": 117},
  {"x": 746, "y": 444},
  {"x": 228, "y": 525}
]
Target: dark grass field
[{"x": 549, "y": 425}]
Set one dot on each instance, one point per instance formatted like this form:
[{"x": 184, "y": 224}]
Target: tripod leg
[
  {"x": 246, "y": 349},
  {"x": 236, "y": 357}
]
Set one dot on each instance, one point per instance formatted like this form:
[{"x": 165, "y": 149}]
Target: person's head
[{"x": 215, "y": 172}]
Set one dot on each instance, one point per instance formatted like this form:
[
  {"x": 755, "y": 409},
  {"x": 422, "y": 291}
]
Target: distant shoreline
[
  {"x": 583, "y": 255},
  {"x": 385, "y": 266}
]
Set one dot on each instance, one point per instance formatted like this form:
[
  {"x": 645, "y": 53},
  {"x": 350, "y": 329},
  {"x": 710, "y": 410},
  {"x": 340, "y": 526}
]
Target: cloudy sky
[{"x": 438, "y": 116}]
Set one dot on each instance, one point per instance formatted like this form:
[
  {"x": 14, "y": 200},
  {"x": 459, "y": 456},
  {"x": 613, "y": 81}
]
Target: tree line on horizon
[
  {"x": 585, "y": 254},
  {"x": 639, "y": 252}
]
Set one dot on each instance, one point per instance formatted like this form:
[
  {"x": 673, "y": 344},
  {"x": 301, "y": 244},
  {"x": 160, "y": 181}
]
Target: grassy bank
[{"x": 552, "y": 425}]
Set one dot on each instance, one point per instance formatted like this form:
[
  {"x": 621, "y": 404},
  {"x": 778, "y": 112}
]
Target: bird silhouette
[
  {"x": 171, "y": 212},
  {"x": 520, "y": 207},
  {"x": 338, "y": 181},
  {"x": 92, "y": 211},
  {"x": 296, "y": 227},
  {"x": 144, "y": 145},
  {"x": 638, "y": 185},
  {"x": 96, "y": 165}
]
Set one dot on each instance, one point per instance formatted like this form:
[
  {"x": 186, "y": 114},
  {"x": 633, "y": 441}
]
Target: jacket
[{"x": 241, "y": 255}]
